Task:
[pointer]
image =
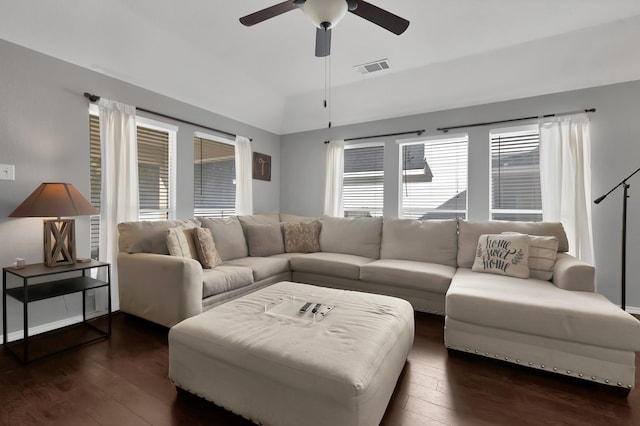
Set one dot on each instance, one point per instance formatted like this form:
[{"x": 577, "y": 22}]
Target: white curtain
[
  {"x": 565, "y": 179},
  {"x": 119, "y": 197},
  {"x": 334, "y": 179},
  {"x": 244, "y": 191}
]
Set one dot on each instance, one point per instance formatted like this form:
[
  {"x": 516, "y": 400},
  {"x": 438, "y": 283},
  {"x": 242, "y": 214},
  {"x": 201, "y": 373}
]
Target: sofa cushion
[
  {"x": 303, "y": 237},
  {"x": 334, "y": 264},
  {"x": 259, "y": 219},
  {"x": 469, "y": 232},
  {"x": 147, "y": 237},
  {"x": 181, "y": 242},
  {"x": 262, "y": 267},
  {"x": 540, "y": 308},
  {"x": 228, "y": 236},
  {"x": 207, "y": 252},
  {"x": 264, "y": 239},
  {"x": 358, "y": 236},
  {"x": 542, "y": 256},
  {"x": 225, "y": 278},
  {"x": 434, "y": 241},
  {"x": 432, "y": 277},
  {"x": 503, "y": 254},
  {"x": 292, "y": 218}
]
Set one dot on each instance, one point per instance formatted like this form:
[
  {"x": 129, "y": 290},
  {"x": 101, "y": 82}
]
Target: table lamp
[{"x": 56, "y": 200}]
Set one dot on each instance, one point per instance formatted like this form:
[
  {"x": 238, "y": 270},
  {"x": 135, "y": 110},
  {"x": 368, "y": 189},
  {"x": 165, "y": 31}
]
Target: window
[
  {"x": 363, "y": 186},
  {"x": 515, "y": 174},
  {"x": 434, "y": 178},
  {"x": 214, "y": 170},
  {"x": 156, "y": 172}
]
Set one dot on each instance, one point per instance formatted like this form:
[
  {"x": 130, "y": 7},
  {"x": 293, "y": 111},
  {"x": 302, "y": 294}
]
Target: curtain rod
[
  {"x": 418, "y": 132},
  {"x": 96, "y": 98},
  {"x": 446, "y": 129}
]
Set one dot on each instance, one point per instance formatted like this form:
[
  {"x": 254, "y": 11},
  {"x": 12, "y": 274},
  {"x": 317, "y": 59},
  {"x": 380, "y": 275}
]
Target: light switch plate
[{"x": 7, "y": 172}]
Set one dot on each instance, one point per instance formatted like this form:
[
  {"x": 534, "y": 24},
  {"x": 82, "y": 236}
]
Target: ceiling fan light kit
[
  {"x": 323, "y": 12},
  {"x": 325, "y": 15}
]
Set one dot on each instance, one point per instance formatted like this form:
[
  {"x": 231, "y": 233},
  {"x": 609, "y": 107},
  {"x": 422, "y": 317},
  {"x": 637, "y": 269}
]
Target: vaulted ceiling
[{"x": 455, "y": 53}]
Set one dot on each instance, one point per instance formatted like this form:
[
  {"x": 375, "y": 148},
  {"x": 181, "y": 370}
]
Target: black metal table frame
[{"x": 50, "y": 289}]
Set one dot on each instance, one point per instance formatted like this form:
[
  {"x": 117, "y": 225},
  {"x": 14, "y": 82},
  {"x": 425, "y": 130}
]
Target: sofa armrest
[
  {"x": 571, "y": 273},
  {"x": 160, "y": 288}
]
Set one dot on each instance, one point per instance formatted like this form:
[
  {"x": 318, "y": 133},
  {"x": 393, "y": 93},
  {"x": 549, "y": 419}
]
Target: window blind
[
  {"x": 153, "y": 173},
  {"x": 434, "y": 179},
  {"x": 363, "y": 186},
  {"x": 95, "y": 172},
  {"x": 515, "y": 176},
  {"x": 214, "y": 170}
]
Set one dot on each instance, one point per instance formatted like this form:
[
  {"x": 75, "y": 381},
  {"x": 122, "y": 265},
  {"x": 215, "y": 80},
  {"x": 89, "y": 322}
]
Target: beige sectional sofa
[{"x": 560, "y": 325}]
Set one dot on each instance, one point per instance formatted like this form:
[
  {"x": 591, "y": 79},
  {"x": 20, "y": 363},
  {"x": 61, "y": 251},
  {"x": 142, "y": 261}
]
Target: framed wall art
[{"x": 261, "y": 166}]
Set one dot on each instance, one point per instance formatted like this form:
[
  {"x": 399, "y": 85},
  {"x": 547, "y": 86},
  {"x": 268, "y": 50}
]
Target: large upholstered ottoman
[{"x": 258, "y": 357}]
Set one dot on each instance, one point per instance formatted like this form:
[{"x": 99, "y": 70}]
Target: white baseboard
[
  {"x": 19, "y": 334},
  {"x": 633, "y": 310}
]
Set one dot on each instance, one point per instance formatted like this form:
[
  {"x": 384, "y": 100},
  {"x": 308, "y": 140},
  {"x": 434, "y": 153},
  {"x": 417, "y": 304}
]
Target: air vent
[{"x": 382, "y": 64}]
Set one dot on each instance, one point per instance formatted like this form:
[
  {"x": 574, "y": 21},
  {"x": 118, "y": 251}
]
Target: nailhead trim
[{"x": 542, "y": 366}]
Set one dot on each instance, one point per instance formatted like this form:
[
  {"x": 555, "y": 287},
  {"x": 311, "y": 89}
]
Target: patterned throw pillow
[
  {"x": 542, "y": 255},
  {"x": 180, "y": 242},
  {"x": 209, "y": 256},
  {"x": 503, "y": 254},
  {"x": 302, "y": 237}
]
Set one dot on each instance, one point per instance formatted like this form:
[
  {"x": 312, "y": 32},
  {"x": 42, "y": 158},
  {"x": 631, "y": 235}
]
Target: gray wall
[
  {"x": 615, "y": 134},
  {"x": 44, "y": 132}
]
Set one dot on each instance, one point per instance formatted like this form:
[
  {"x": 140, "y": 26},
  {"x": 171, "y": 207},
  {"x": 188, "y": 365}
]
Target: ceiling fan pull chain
[{"x": 328, "y": 59}]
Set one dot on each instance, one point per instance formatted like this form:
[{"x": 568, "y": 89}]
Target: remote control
[
  {"x": 315, "y": 308},
  {"x": 325, "y": 310},
  {"x": 305, "y": 307}
]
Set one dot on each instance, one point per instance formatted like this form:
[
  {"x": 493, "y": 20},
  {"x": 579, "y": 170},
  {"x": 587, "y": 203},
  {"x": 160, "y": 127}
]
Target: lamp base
[{"x": 59, "y": 242}]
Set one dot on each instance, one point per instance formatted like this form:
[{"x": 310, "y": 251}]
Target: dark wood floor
[{"x": 123, "y": 381}]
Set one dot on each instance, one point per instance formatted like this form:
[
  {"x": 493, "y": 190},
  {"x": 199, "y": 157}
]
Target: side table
[{"x": 51, "y": 285}]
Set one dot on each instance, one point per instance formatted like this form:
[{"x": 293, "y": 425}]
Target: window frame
[
  {"x": 219, "y": 139},
  {"x": 461, "y": 137},
  {"x": 511, "y": 131},
  {"x": 172, "y": 131},
  {"x": 361, "y": 145}
]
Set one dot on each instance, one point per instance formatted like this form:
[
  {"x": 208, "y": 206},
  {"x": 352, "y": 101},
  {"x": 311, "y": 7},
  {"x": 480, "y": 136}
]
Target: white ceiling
[{"x": 455, "y": 53}]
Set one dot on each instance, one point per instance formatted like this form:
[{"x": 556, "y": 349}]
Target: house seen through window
[{"x": 433, "y": 180}]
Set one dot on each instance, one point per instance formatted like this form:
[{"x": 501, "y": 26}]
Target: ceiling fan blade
[
  {"x": 268, "y": 13},
  {"x": 323, "y": 42},
  {"x": 381, "y": 17}
]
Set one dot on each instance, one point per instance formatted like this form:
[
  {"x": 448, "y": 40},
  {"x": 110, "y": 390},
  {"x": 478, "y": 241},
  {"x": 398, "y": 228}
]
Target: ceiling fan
[{"x": 325, "y": 14}]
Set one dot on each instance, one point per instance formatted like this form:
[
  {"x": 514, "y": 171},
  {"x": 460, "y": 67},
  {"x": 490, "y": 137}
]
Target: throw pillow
[
  {"x": 542, "y": 255},
  {"x": 302, "y": 237},
  {"x": 209, "y": 256},
  {"x": 264, "y": 239},
  {"x": 503, "y": 254},
  {"x": 180, "y": 242},
  {"x": 229, "y": 236}
]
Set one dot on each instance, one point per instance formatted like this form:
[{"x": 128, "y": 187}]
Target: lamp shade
[{"x": 55, "y": 200}]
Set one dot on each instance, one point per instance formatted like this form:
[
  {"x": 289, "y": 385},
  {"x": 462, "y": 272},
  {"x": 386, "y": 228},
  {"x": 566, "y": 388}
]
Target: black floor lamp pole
[{"x": 625, "y": 197}]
